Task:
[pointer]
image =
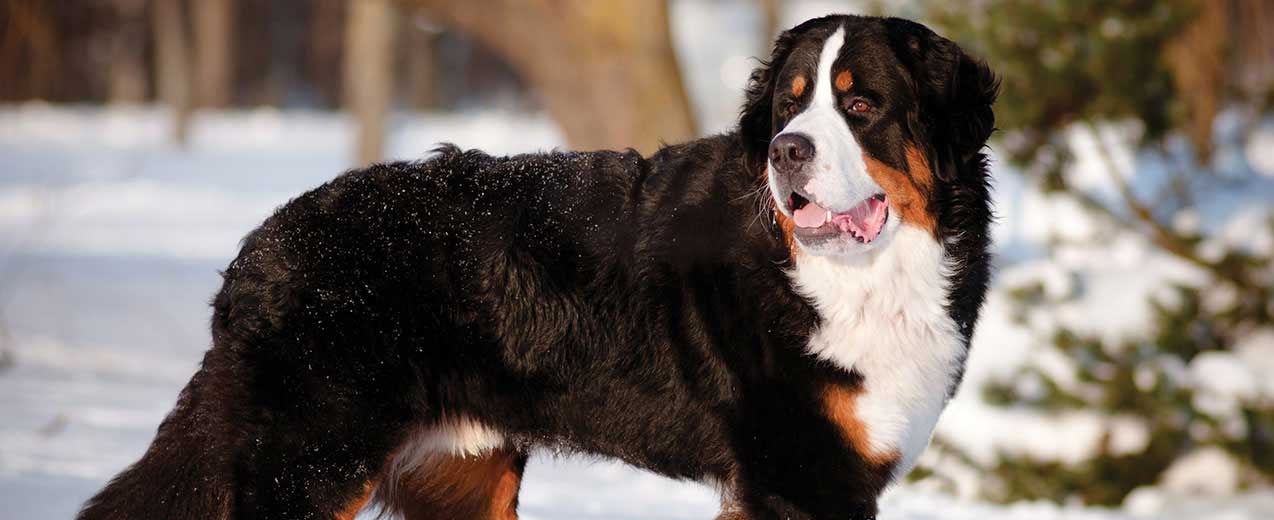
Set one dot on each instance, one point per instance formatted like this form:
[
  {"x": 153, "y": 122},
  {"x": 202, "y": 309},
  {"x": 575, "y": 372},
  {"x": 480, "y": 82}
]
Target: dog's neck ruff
[{"x": 884, "y": 317}]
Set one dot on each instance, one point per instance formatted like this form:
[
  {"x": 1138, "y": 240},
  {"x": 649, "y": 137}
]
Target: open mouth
[{"x": 863, "y": 222}]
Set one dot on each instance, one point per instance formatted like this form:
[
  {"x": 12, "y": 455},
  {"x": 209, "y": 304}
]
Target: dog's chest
[{"x": 885, "y": 318}]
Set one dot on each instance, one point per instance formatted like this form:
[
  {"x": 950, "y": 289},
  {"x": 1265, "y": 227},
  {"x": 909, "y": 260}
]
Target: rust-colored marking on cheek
[
  {"x": 798, "y": 86},
  {"x": 840, "y": 405},
  {"x": 919, "y": 167},
  {"x": 844, "y": 81},
  {"x": 909, "y": 196},
  {"x": 786, "y": 225}
]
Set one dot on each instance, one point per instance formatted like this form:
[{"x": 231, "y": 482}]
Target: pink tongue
[
  {"x": 863, "y": 220},
  {"x": 810, "y": 216}
]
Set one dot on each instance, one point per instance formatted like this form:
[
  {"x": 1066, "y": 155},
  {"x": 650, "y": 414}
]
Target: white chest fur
[{"x": 884, "y": 316}]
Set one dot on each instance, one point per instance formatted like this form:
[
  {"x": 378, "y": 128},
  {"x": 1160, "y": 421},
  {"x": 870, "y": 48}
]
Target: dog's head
[{"x": 863, "y": 123}]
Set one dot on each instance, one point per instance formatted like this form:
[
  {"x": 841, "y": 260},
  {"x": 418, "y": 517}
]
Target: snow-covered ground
[{"x": 110, "y": 242}]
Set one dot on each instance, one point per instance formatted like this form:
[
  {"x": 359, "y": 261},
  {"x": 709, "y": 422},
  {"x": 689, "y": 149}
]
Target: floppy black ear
[
  {"x": 955, "y": 91},
  {"x": 756, "y": 120}
]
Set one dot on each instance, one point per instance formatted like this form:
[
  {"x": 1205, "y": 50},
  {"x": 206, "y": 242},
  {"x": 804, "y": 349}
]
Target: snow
[
  {"x": 1260, "y": 150},
  {"x": 1157, "y": 503},
  {"x": 1208, "y": 471},
  {"x": 1256, "y": 353},
  {"x": 1222, "y": 381}
]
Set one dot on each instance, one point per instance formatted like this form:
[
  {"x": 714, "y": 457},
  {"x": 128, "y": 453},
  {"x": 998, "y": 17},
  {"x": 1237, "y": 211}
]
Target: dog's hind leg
[
  {"x": 186, "y": 473},
  {"x": 221, "y": 455}
]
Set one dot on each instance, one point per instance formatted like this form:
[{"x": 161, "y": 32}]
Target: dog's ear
[
  {"x": 756, "y": 120},
  {"x": 955, "y": 91}
]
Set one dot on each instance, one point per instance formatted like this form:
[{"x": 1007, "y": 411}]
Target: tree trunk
[
  {"x": 369, "y": 73},
  {"x": 769, "y": 21},
  {"x": 127, "y": 66},
  {"x": 214, "y": 37},
  {"x": 1196, "y": 58},
  {"x": 30, "y": 51},
  {"x": 172, "y": 63},
  {"x": 325, "y": 37},
  {"x": 420, "y": 67},
  {"x": 605, "y": 68},
  {"x": 1254, "y": 37}
]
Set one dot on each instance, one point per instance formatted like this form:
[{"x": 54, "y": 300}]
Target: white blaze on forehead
[
  {"x": 839, "y": 178},
  {"x": 823, "y": 97}
]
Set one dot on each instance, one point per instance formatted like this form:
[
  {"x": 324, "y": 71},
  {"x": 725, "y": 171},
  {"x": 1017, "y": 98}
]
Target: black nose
[{"x": 788, "y": 152}]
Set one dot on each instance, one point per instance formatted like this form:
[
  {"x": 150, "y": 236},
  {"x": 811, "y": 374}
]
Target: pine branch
[{"x": 1160, "y": 235}]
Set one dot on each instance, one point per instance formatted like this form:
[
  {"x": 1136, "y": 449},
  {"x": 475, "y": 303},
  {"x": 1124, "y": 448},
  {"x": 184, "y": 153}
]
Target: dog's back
[
  {"x": 419, "y": 322},
  {"x": 333, "y": 312}
]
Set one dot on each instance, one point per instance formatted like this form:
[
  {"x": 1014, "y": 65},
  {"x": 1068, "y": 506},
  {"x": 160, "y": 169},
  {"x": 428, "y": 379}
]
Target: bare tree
[
  {"x": 172, "y": 61},
  {"x": 1222, "y": 48},
  {"x": 1197, "y": 60},
  {"x": 770, "y": 10},
  {"x": 1253, "y": 34},
  {"x": 214, "y": 30},
  {"x": 419, "y": 58},
  {"x": 30, "y": 50},
  {"x": 369, "y": 76},
  {"x": 605, "y": 68},
  {"x": 127, "y": 66}
]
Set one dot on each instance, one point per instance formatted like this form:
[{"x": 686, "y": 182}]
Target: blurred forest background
[
  {"x": 577, "y": 59},
  {"x": 1131, "y": 125}
]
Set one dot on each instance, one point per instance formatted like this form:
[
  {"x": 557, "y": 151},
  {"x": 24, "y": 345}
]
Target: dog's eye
[
  {"x": 860, "y": 105},
  {"x": 788, "y": 109}
]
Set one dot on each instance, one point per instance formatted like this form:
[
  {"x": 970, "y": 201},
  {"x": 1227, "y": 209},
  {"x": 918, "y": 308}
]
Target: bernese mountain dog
[{"x": 781, "y": 311}]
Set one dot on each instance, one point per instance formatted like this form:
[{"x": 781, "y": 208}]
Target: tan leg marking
[
  {"x": 478, "y": 487},
  {"x": 839, "y": 402}
]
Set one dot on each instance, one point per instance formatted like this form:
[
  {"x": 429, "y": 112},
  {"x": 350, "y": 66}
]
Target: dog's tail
[{"x": 186, "y": 473}]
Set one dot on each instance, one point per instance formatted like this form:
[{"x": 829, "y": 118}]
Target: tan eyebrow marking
[
  {"x": 798, "y": 86},
  {"x": 844, "y": 81}
]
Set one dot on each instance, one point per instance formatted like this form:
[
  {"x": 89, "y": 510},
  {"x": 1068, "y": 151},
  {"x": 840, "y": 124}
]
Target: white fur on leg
[{"x": 461, "y": 436}]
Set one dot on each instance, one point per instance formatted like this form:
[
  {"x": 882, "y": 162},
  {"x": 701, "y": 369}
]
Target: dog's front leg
[
  {"x": 760, "y": 506},
  {"x": 795, "y": 462}
]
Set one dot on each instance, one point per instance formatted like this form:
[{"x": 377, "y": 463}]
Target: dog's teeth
[{"x": 829, "y": 216}]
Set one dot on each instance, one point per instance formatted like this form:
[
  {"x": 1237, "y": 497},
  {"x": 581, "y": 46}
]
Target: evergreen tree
[{"x": 1161, "y": 67}]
